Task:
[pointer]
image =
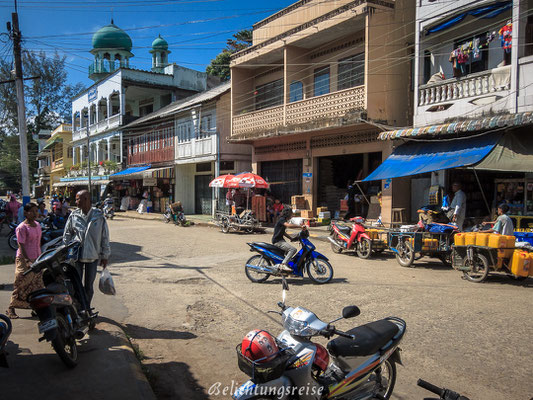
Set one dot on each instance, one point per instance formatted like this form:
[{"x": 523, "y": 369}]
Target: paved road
[{"x": 189, "y": 304}]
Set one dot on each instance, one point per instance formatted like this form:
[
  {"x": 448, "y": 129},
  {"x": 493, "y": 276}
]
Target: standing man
[
  {"x": 88, "y": 225},
  {"x": 350, "y": 197},
  {"x": 458, "y": 205}
]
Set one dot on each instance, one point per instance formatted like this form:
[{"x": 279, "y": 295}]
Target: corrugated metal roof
[
  {"x": 182, "y": 104},
  {"x": 471, "y": 125}
]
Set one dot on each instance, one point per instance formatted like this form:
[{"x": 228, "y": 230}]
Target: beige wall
[{"x": 229, "y": 151}]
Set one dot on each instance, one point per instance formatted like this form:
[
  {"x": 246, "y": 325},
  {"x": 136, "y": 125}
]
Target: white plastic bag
[{"x": 106, "y": 284}]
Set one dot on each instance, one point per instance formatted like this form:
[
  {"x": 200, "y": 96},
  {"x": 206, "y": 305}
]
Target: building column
[
  {"x": 108, "y": 154},
  {"x": 122, "y": 102},
  {"x": 120, "y": 146},
  {"x": 97, "y": 152}
]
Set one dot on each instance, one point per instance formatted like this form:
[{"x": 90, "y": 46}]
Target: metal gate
[
  {"x": 202, "y": 194},
  {"x": 285, "y": 178}
]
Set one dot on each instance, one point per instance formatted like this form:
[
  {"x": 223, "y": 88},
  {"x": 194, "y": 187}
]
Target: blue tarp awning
[
  {"x": 420, "y": 157},
  {"x": 131, "y": 170}
]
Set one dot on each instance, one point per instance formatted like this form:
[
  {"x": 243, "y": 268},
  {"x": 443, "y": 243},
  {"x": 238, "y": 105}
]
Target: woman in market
[
  {"x": 13, "y": 207},
  {"x": 29, "y": 240}
]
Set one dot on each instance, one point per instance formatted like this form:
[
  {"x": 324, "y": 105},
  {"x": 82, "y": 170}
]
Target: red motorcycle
[{"x": 344, "y": 238}]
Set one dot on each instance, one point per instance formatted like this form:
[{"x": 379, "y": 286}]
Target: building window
[
  {"x": 203, "y": 167},
  {"x": 69, "y": 152},
  {"x": 269, "y": 95},
  {"x": 321, "y": 81},
  {"x": 351, "y": 71},
  {"x": 476, "y": 61},
  {"x": 227, "y": 165},
  {"x": 296, "y": 91},
  {"x": 145, "y": 110},
  {"x": 205, "y": 127},
  {"x": 184, "y": 132}
]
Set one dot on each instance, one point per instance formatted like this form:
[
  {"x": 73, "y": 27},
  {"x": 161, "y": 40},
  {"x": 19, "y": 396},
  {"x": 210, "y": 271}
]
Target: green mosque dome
[
  {"x": 159, "y": 44},
  {"x": 112, "y": 37}
]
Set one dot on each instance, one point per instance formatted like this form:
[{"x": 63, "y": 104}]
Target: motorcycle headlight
[{"x": 298, "y": 328}]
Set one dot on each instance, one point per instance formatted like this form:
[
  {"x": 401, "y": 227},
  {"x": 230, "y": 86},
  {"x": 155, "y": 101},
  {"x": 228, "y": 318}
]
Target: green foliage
[
  {"x": 48, "y": 103},
  {"x": 220, "y": 65}
]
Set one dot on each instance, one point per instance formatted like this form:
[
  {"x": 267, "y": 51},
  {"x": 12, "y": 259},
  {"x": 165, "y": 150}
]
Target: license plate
[{"x": 47, "y": 325}]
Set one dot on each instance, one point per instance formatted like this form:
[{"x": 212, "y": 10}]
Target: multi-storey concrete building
[
  {"x": 58, "y": 150},
  {"x": 473, "y": 105},
  {"x": 315, "y": 89},
  {"x": 188, "y": 140},
  {"x": 121, "y": 94}
]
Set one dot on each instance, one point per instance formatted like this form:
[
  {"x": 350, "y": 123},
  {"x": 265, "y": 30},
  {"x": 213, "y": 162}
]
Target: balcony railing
[
  {"x": 332, "y": 105},
  {"x": 481, "y": 83}
]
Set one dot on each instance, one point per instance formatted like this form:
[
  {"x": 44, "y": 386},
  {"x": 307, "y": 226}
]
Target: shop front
[{"x": 493, "y": 167}]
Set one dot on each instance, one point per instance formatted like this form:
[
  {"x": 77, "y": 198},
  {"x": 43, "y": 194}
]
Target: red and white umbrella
[
  {"x": 221, "y": 181},
  {"x": 250, "y": 180}
]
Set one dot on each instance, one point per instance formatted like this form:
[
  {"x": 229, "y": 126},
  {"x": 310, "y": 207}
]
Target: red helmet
[
  {"x": 258, "y": 344},
  {"x": 321, "y": 358}
]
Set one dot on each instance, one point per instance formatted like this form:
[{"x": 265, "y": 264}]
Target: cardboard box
[
  {"x": 307, "y": 213},
  {"x": 324, "y": 215},
  {"x": 321, "y": 209}
]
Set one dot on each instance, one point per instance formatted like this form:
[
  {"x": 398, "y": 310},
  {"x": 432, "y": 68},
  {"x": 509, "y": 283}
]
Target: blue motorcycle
[{"x": 259, "y": 267}]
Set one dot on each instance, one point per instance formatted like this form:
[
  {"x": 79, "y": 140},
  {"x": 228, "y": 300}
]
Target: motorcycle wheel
[
  {"x": 65, "y": 346},
  {"x": 406, "y": 254},
  {"x": 12, "y": 241},
  {"x": 364, "y": 248},
  {"x": 254, "y": 276},
  {"x": 479, "y": 268},
  {"x": 386, "y": 379},
  {"x": 335, "y": 249},
  {"x": 224, "y": 225},
  {"x": 319, "y": 271}
]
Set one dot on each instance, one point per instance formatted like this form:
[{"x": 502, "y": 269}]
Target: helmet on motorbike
[
  {"x": 260, "y": 346},
  {"x": 321, "y": 358}
]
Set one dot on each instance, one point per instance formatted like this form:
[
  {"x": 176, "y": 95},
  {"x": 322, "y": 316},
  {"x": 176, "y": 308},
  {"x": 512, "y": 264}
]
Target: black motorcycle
[
  {"x": 5, "y": 331},
  {"x": 61, "y": 306}
]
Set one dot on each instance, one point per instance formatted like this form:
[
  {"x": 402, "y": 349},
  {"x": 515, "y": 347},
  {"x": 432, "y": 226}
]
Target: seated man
[
  {"x": 279, "y": 241},
  {"x": 503, "y": 224},
  {"x": 177, "y": 210}
]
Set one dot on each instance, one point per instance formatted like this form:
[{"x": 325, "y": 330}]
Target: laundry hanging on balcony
[{"x": 485, "y": 12}]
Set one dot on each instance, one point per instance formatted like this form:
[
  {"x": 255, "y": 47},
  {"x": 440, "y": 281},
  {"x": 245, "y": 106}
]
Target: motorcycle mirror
[{"x": 350, "y": 312}]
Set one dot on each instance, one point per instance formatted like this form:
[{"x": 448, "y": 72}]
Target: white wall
[{"x": 184, "y": 190}]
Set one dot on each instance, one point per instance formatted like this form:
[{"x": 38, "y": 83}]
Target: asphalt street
[{"x": 189, "y": 304}]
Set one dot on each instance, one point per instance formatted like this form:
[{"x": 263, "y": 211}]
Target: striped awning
[
  {"x": 471, "y": 125},
  {"x": 163, "y": 172}
]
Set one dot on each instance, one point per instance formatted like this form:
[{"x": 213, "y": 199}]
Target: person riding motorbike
[
  {"x": 279, "y": 241},
  {"x": 177, "y": 211}
]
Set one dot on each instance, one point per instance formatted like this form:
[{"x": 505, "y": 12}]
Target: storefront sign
[
  {"x": 307, "y": 174},
  {"x": 149, "y": 181}
]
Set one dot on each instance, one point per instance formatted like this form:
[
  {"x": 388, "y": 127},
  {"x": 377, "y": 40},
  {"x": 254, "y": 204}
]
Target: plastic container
[
  {"x": 530, "y": 264},
  {"x": 520, "y": 263},
  {"x": 459, "y": 239},
  {"x": 482, "y": 239},
  {"x": 470, "y": 238},
  {"x": 511, "y": 240}
]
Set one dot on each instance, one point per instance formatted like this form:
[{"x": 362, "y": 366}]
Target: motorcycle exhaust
[
  {"x": 80, "y": 333},
  {"x": 335, "y": 243},
  {"x": 266, "y": 270}
]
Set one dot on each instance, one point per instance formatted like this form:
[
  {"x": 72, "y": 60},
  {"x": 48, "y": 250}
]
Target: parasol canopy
[
  {"x": 250, "y": 180},
  {"x": 221, "y": 181}
]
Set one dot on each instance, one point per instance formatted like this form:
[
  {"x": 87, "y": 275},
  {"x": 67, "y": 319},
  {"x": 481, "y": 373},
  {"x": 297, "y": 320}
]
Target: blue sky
[{"x": 196, "y": 30}]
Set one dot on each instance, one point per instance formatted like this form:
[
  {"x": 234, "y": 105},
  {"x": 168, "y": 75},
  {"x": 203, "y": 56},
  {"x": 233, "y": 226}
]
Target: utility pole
[{"x": 21, "y": 109}]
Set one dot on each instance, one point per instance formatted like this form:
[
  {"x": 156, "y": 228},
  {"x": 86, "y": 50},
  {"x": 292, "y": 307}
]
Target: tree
[
  {"x": 48, "y": 103},
  {"x": 220, "y": 65}
]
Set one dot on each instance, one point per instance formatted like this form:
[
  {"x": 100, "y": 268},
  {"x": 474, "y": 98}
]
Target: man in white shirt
[{"x": 458, "y": 205}]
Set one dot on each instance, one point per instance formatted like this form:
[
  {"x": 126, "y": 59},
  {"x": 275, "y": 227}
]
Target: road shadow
[
  {"x": 504, "y": 279},
  {"x": 300, "y": 282},
  {"x": 8, "y": 287},
  {"x": 125, "y": 252},
  {"x": 174, "y": 381},
  {"x": 141, "y": 332}
]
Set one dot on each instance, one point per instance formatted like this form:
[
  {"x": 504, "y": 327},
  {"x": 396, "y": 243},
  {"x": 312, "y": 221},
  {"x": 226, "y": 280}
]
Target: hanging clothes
[{"x": 506, "y": 36}]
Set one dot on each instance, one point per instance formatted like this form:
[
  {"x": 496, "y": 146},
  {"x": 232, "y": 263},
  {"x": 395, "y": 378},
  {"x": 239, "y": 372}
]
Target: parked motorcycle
[
  {"x": 5, "y": 331},
  {"x": 443, "y": 393},
  {"x": 180, "y": 217},
  {"x": 259, "y": 267},
  {"x": 61, "y": 306},
  {"x": 3, "y": 214},
  {"x": 344, "y": 238},
  {"x": 359, "y": 364},
  {"x": 109, "y": 211}
]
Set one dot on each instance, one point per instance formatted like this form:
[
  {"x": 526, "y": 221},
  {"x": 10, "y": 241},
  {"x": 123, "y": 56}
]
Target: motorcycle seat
[
  {"x": 53, "y": 288},
  {"x": 345, "y": 229},
  {"x": 369, "y": 338},
  {"x": 270, "y": 247}
]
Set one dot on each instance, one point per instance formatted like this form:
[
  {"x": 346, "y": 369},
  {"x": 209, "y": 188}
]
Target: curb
[{"x": 144, "y": 388}]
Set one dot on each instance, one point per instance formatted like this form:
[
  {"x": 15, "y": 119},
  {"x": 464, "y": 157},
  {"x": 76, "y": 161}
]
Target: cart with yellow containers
[{"x": 477, "y": 254}]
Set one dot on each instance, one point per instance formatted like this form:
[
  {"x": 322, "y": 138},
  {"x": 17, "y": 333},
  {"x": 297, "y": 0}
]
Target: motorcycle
[
  {"x": 443, "y": 393},
  {"x": 5, "y": 331},
  {"x": 109, "y": 211},
  {"x": 3, "y": 214},
  {"x": 180, "y": 217},
  {"x": 363, "y": 359},
  {"x": 259, "y": 267},
  {"x": 344, "y": 238},
  {"x": 61, "y": 306}
]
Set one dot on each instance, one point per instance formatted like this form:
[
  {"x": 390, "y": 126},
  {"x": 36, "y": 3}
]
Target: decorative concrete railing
[
  {"x": 263, "y": 119},
  {"x": 486, "y": 82},
  {"x": 332, "y": 105}
]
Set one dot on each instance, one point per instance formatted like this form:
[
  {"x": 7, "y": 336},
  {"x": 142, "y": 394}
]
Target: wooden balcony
[
  {"x": 328, "y": 107},
  {"x": 152, "y": 156}
]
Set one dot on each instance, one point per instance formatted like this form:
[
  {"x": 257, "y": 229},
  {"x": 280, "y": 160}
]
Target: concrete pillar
[
  {"x": 108, "y": 155},
  {"x": 122, "y": 103},
  {"x": 97, "y": 152}
]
